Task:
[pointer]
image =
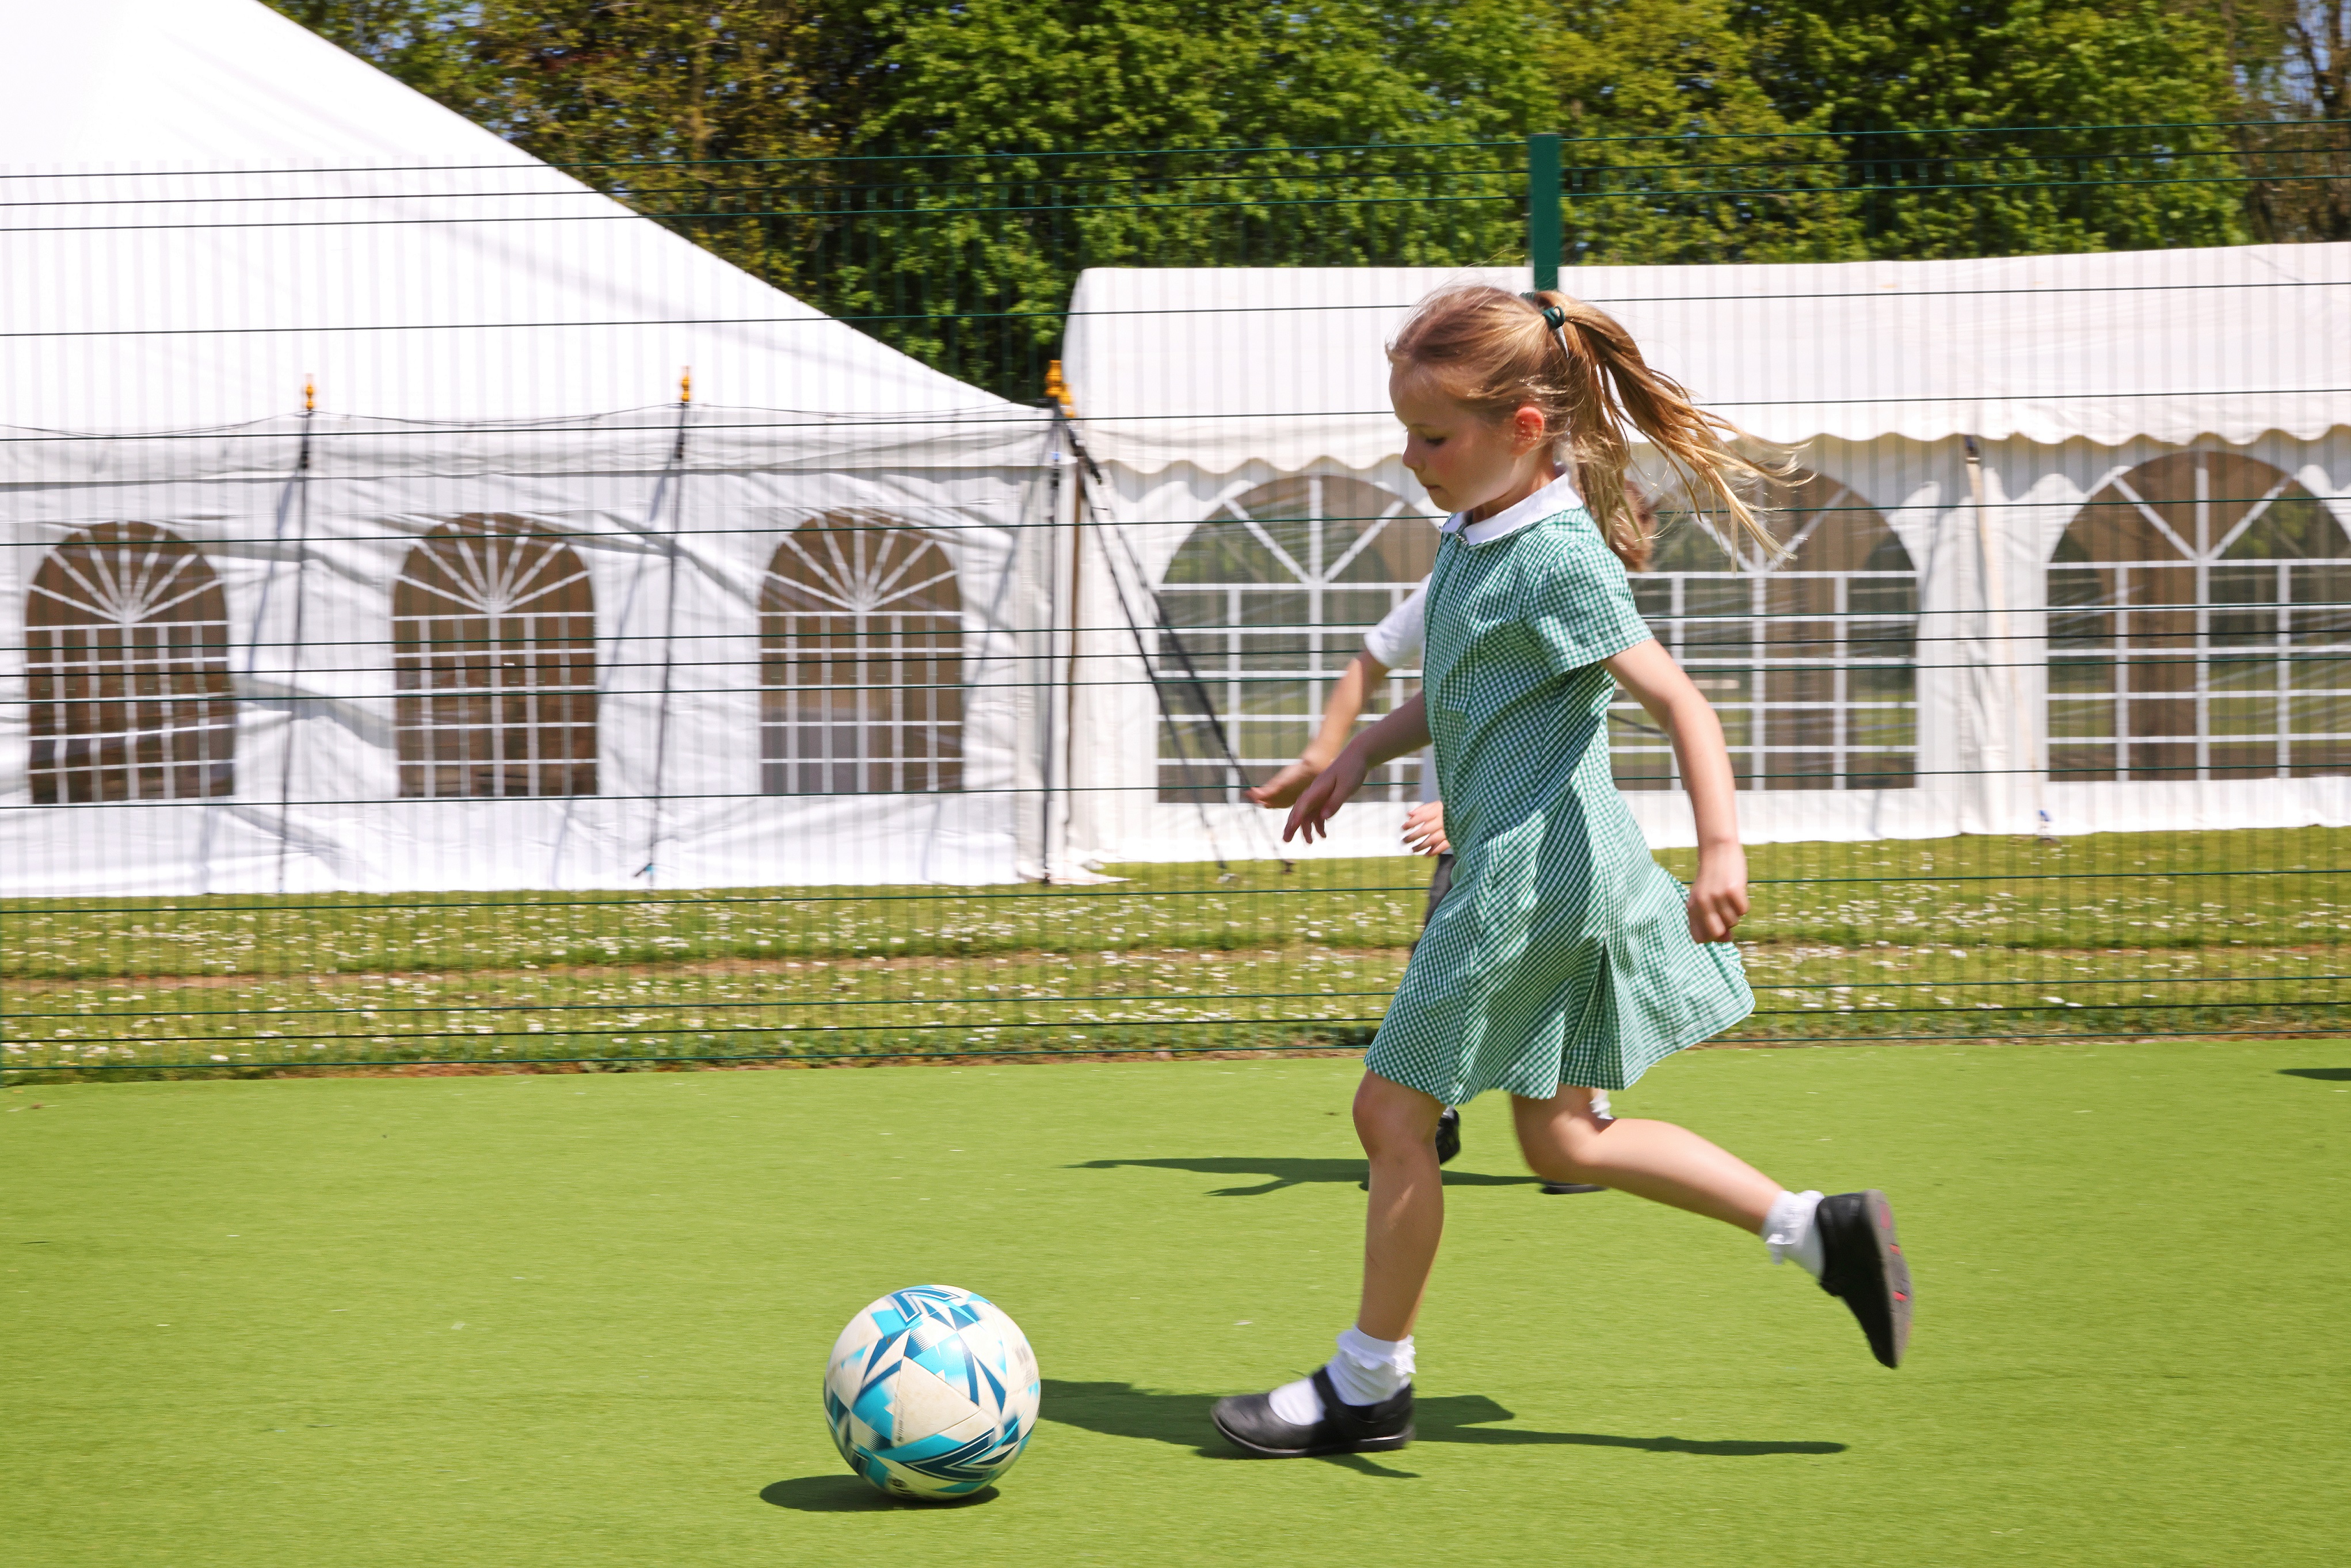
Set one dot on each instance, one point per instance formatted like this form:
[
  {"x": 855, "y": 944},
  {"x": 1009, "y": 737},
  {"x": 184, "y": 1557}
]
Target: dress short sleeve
[{"x": 1581, "y": 604}]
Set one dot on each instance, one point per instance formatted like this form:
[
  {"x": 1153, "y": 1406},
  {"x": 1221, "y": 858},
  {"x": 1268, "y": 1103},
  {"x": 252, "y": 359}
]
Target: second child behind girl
[{"x": 1564, "y": 962}]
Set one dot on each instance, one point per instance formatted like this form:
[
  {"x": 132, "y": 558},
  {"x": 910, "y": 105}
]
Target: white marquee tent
[
  {"x": 210, "y": 207},
  {"x": 2150, "y": 432},
  {"x": 2069, "y": 559}
]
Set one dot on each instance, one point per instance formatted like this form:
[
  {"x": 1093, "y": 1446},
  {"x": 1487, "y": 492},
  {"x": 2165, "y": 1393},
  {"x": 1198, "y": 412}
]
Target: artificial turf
[{"x": 581, "y": 1318}]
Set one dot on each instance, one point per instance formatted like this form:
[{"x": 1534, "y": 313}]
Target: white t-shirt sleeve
[{"x": 1396, "y": 641}]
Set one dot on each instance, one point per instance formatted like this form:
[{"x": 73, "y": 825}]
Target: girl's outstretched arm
[
  {"x": 1348, "y": 695},
  {"x": 1405, "y": 730},
  {"x": 1718, "y": 900}
]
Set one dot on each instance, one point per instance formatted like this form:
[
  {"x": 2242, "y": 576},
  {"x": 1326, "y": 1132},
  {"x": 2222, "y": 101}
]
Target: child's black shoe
[
  {"x": 1863, "y": 1267},
  {"x": 1248, "y": 1419},
  {"x": 1449, "y": 1136}
]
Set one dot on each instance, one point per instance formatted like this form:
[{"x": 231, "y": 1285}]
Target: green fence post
[{"x": 1543, "y": 207}]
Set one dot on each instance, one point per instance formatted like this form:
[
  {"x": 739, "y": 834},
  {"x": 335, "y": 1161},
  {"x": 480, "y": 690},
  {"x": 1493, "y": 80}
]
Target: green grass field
[
  {"x": 2114, "y": 933},
  {"x": 581, "y": 1320}
]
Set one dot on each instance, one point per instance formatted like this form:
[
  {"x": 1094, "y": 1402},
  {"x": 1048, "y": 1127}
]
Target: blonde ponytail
[{"x": 1496, "y": 351}]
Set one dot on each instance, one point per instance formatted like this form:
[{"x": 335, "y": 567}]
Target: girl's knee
[
  {"x": 1560, "y": 1137},
  {"x": 1561, "y": 1160},
  {"x": 1580, "y": 1142},
  {"x": 1391, "y": 1117}
]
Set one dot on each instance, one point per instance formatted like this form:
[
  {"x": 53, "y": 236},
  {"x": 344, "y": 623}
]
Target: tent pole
[
  {"x": 1069, "y": 673},
  {"x": 2003, "y": 745},
  {"x": 297, "y": 499},
  {"x": 1062, "y": 686},
  {"x": 294, "y": 643},
  {"x": 677, "y": 499},
  {"x": 1053, "y": 632}
]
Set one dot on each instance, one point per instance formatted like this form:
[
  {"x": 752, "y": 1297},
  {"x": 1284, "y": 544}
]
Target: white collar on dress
[{"x": 1558, "y": 495}]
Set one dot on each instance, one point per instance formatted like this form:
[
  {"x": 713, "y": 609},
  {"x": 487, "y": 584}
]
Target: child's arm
[
  {"x": 1348, "y": 695},
  {"x": 1405, "y": 730},
  {"x": 1424, "y": 829},
  {"x": 1718, "y": 899}
]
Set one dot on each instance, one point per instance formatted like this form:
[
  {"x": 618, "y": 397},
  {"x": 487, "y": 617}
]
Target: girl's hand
[
  {"x": 1284, "y": 788},
  {"x": 1424, "y": 829},
  {"x": 1718, "y": 899},
  {"x": 1323, "y": 797}
]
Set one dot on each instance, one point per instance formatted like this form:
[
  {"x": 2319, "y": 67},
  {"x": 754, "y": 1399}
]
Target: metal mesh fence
[{"x": 835, "y": 709}]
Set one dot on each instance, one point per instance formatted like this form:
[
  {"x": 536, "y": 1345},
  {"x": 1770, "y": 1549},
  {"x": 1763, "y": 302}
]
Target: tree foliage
[
  {"x": 1024, "y": 139},
  {"x": 2013, "y": 102},
  {"x": 428, "y": 44},
  {"x": 2291, "y": 63},
  {"x": 1679, "y": 154},
  {"x": 940, "y": 170},
  {"x": 605, "y": 81}
]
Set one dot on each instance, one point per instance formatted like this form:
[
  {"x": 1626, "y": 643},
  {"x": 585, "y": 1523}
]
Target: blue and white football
[{"x": 931, "y": 1393}]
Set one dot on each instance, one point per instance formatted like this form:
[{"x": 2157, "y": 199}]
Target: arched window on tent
[
  {"x": 861, "y": 639},
  {"x": 1810, "y": 659},
  {"x": 2199, "y": 627},
  {"x": 1271, "y": 596},
  {"x": 126, "y": 667},
  {"x": 494, "y": 651}
]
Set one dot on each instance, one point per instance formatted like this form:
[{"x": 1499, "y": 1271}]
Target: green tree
[
  {"x": 603, "y": 82},
  {"x": 2291, "y": 63},
  {"x": 978, "y": 188},
  {"x": 428, "y": 44},
  {"x": 1057, "y": 74},
  {"x": 1028, "y": 136},
  {"x": 940, "y": 171},
  {"x": 1925, "y": 97},
  {"x": 1679, "y": 154}
]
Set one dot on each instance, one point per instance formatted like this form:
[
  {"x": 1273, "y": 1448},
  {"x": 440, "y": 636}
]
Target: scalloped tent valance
[{"x": 1222, "y": 367}]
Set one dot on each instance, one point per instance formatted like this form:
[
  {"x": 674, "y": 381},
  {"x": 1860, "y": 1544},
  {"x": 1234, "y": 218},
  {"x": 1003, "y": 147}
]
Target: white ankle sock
[
  {"x": 1788, "y": 1231},
  {"x": 1367, "y": 1371},
  {"x": 1297, "y": 1403}
]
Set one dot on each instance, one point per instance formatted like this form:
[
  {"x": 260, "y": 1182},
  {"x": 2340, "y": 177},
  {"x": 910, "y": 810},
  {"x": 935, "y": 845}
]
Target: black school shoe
[
  {"x": 1865, "y": 1270},
  {"x": 1248, "y": 1419},
  {"x": 1449, "y": 1136}
]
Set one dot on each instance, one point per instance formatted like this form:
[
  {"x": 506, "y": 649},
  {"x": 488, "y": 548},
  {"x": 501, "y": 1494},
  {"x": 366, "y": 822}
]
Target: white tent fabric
[
  {"x": 2059, "y": 374},
  {"x": 209, "y": 204},
  {"x": 210, "y": 207},
  {"x": 1220, "y": 367},
  {"x": 679, "y": 799}
]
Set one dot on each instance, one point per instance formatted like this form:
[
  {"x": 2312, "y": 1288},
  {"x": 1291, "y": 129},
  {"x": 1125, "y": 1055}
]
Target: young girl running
[{"x": 1565, "y": 961}]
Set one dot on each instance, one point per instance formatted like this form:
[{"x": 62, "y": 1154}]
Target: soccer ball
[{"x": 931, "y": 1393}]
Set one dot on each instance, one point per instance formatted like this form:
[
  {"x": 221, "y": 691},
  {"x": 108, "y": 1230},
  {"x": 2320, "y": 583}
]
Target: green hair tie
[{"x": 1553, "y": 317}]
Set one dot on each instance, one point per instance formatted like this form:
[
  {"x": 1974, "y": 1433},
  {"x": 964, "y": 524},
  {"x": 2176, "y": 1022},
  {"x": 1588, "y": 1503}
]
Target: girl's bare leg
[
  {"x": 1406, "y": 1218},
  {"x": 1564, "y": 1140}
]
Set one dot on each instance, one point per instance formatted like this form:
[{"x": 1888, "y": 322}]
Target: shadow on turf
[
  {"x": 847, "y": 1494},
  {"x": 2324, "y": 1074},
  {"x": 1124, "y": 1410},
  {"x": 1280, "y": 1174}
]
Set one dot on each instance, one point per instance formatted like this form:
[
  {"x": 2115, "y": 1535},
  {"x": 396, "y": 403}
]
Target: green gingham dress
[{"x": 1562, "y": 953}]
